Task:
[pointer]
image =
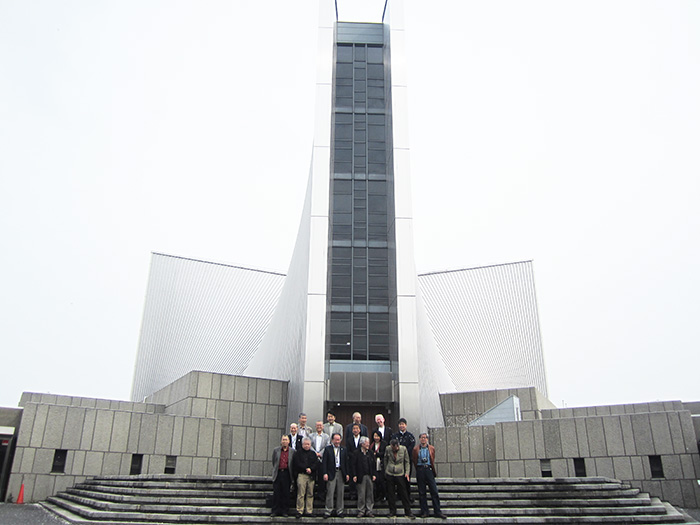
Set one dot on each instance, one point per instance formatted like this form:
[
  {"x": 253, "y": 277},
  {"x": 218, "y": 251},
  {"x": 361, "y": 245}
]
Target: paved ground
[{"x": 27, "y": 514}]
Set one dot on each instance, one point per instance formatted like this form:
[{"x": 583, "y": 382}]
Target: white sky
[{"x": 566, "y": 132}]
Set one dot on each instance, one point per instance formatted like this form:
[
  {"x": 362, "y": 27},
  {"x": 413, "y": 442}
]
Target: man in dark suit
[
  {"x": 281, "y": 477},
  {"x": 352, "y": 443},
  {"x": 383, "y": 430},
  {"x": 356, "y": 418},
  {"x": 336, "y": 472}
]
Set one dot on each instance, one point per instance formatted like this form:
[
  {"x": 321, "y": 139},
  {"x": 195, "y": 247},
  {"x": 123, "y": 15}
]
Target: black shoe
[
  {"x": 297, "y": 515},
  {"x": 326, "y": 515},
  {"x": 411, "y": 516},
  {"x": 392, "y": 514},
  {"x": 441, "y": 516},
  {"x": 424, "y": 515}
]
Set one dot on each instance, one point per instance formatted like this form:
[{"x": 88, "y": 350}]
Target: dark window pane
[
  {"x": 376, "y": 187},
  {"x": 377, "y": 203},
  {"x": 341, "y": 269},
  {"x": 375, "y": 92},
  {"x": 342, "y": 167},
  {"x": 343, "y": 155},
  {"x": 378, "y": 282},
  {"x": 375, "y": 103},
  {"x": 341, "y": 253},
  {"x": 342, "y": 218},
  {"x": 344, "y": 53},
  {"x": 376, "y": 168},
  {"x": 375, "y": 71},
  {"x": 360, "y": 53},
  {"x": 343, "y": 118},
  {"x": 342, "y": 203},
  {"x": 375, "y": 155},
  {"x": 360, "y": 135},
  {"x": 343, "y": 131},
  {"x": 343, "y": 91},
  {"x": 342, "y": 187},
  {"x": 343, "y": 71},
  {"x": 375, "y": 83},
  {"x": 375, "y": 55},
  {"x": 377, "y": 132}
]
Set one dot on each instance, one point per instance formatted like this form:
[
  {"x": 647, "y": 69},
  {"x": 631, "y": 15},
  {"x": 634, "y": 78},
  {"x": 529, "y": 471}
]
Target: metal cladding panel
[
  {"x": 486, "y": 326},
  {"x": 200, "y": 316}
]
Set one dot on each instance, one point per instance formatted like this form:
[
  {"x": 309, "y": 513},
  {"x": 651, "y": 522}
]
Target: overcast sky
[{"x": 566, "y": 132}]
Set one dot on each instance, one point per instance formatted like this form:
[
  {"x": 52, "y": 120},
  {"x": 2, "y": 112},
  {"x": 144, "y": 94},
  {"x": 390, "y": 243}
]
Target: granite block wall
[
  {"x": 614, "y": 441},
  {"x": 459, "y": 409},
  {"x": 100, "y": 437},
  {"x": 252, "y": 412}
]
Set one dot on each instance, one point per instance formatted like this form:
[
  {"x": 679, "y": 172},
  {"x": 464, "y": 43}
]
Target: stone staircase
[{"x": 160, "y": 499}]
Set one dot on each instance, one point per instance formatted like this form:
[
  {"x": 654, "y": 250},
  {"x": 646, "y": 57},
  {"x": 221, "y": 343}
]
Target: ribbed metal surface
[
  {"x": 200, "y": 316},
  {"x": 486, "y": 326}
]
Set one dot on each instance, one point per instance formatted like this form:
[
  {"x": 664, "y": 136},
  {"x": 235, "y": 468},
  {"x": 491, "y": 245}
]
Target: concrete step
[{"x": 137, "y": 500}]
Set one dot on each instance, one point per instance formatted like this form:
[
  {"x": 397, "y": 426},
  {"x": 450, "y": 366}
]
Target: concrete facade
[
  {"x": 616, "y": 441},
  {"x": 211, "y": 423}
]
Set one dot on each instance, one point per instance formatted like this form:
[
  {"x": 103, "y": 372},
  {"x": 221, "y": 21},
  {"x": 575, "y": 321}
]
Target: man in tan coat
[{"x": 397, "y": 465}]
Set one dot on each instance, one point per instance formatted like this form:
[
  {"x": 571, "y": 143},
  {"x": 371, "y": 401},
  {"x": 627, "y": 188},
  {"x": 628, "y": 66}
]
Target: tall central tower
[{"x": 345, "y": 332}]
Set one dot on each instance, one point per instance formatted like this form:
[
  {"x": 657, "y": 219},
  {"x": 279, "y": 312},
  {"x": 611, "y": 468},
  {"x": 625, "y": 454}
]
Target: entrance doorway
[{"x": 344, "y": 410}]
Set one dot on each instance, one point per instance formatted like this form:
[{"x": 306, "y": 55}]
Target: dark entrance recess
[{"x": 344, "y": 411}]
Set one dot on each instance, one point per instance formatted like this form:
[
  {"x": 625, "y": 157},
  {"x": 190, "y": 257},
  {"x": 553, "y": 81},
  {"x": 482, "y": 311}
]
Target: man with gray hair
[
  {"x": 305, "y": 463},
  {"x": 363, "y": 476}
]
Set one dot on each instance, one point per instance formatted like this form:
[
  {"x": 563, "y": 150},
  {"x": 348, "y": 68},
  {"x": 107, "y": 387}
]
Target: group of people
[{"x": 375, "y": 467}]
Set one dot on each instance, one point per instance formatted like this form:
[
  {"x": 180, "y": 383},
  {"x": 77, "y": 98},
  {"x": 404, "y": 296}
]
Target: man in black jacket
[
  {"x": 336, "y": 472},
  {"x": 305, "y": 463},
  {"x": 363, "y": 476}
]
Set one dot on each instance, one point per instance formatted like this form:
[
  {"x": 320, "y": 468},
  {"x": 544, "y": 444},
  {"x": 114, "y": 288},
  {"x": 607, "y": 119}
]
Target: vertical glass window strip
[{"x": 359, "y": 276}]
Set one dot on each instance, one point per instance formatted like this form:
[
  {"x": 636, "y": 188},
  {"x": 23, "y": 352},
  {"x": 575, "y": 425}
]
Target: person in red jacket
[{"x": 423, "y": 457}]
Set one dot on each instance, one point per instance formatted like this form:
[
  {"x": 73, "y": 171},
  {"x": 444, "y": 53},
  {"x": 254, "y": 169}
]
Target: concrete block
[
  {"x": 238, "y": 443},
  {"x": 580, "y": 412},
  {"x": 233, "y": 468},
  {"x": 241, "y": 389},
  {"x": 226, "y": 442},
  {"x": 205, "y": 442},
  {"x": 481, "y": 469},
  {"x": 282, "y": 417},
  {"x": 532, "y": 468},
  {"x": 55, "y": 424},
  {"x": 226, "y": 387},
  {"x": 491, "y": 399},
  {"x": 604, "y": 467},
  {"x": 247, "y": 414},
  {"x": 464, "y": 443},
  {"x": 489, "y": 442},
  {"x": 641, "y": 429},
  {"x": 72, "y": 433},
  {"x": 190, "y": 434},
  {"x": 569, "y": 439},
  {"x": 552, "y": 438},
  {"x": 689, "y": 436},
  {"x": 236, "y": 413},
  {"x": 661, "y": 433},
  {"x": 78, "y": 462},
  {"x": 184, "y": 465},
  {"x": 178, "y": 427},
  {"x": 511, "y": 448},
  {"x": 111, "y": 464},
  {"x": 687, "y": 466},
  {"x": 526, "y": 439},
  {"x": 271, "y": 417},
  {"x": 612, "y": 427},
  {"x": 617, "y": 410},
  {"x": 454, "y": 444},
  {"x": 120, "y": 432},
  {"x": 458, "y": 470},
  {"x": 438, "y": 437},
  {"x": 516, "y": 469},
  {"x": 262, "y": 394},
  {"x": 200, "y": 466},
  {"x": 446, "y": 404},
  {"x": 93, "y": 463},
  {"x": 689, "y": 492},
  {"x": 37, "y": 434},
  {"x": 469, "y": 471},
  {"x": 602, "y": 410},
  {"x": 210, "y": 411},
  {"x": 213, "y": 466},
  {"x": 88, "y": 429},
  {"x": 103, "y": 430},
  {"x": 88, "y": 402},
  {"x": 192, "y": 382},
  {"x": 500, "y": 455},
  {"x": 252, "y": 388},
  {"x": 199, "y": 407},
  {"x": 258, "y": 468},
  {"x": 164, "y": 435},
  {"x": 27, "y": 461},
  {"x": 672, "y": 466},
  {"x": 540, "y": 452},
  {"x": 43, "y": 460},
  {"x": 216, "y": 386},
  {"x": 622, "y": 467},
  {"x": 125, "y": 466},
  {"x": 156, "y": 465},
  {"x": 250, "y": 443},
  {"x": 43, "y": 488},
  {"x": 476, "y": 444},
  {"x": 560, "y": 468},
  {"x": 671, "y": 492},
  {"x": 656, "y": 406},
  {"x": 674, "y": 424},
  {"x": 147, "y": 438},
  {"x": 27, "y": 425},
  {"x": 275, "y": 393},
  {"x": 103, "y": 404},
  {"x": 628, "y": 435},
  {"x": 258, "y": 415},
  {"x": 596, "y": 436}
]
